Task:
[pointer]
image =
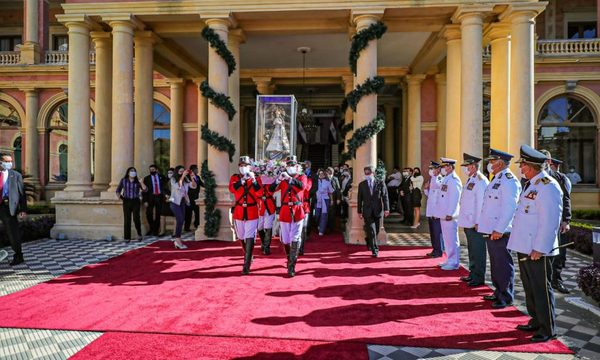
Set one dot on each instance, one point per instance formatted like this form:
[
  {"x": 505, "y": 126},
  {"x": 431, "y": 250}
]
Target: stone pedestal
[{"x": 224, "y": 203}]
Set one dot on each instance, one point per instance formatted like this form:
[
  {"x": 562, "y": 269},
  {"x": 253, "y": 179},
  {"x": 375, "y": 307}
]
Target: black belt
[{"x": 292, "y": 203}]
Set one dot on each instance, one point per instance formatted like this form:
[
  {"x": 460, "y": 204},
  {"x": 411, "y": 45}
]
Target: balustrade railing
[
  {"x": 10, "y": 57},
  {"x": 568, "y": 47},
  {"x": 61, "y": 57}
]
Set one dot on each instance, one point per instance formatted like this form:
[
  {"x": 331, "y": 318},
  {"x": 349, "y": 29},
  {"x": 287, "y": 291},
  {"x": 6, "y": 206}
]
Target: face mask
[
  {"x": 7, "y": 165},
  {"x": 153, "y": 172},
  {"x": 181, "y": 173},
  {"x": 244, "y": 170},
  {"x": 466, "y": 171},
  {"x": 490, "y": 168},
  {"x": 291, "y": 170},
  {"x": 444, "y": 172},
  {"x": 522, "y": 173},
  {"x": 170, "y": 175},
  {"x": 369, "y": 177},
  {"x": 404, "y": 173},
  {"x": 132, "y": 174},
  {"x": 572, "y": 170},
  {"x": 431, "y": 173}
]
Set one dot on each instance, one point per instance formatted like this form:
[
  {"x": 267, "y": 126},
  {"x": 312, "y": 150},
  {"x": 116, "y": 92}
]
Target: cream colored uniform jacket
[
  {"x": 432, "y": 193},
  {"x": 471, "y": 200},
  {"x": 499, "y": 203},
  {"x": 537, "y": 220},
  {"x": 448, "y": 203}
]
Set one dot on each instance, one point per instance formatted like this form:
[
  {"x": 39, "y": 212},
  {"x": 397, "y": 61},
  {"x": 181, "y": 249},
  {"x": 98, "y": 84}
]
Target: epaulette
[
  {"x": 509, "y": 175},
  {"x": 480, "y": 176},
  {"x": 546, "y": 180}
]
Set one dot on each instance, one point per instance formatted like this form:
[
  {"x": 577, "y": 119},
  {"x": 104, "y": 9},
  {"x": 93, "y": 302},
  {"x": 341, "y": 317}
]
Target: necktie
[
  {"x": 526, "y": 185},
  {"x": 1, "y": 184},
  {"x": 155, "y": 182},
  {"x": 371, "y": 187}
]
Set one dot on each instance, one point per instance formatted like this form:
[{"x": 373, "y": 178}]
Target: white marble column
[
  {"x": 453, "y": 91},
  {"x": 499, "y": 35},
  {"x": 32, "y": 150},
  {"x": 143, "y": 99},
  {"x": 218, "y": 79},
  {"x": 122, "y": 101},
  {"x": 103, "y": 127},
  {"x": 177, "y": 109},
  {"x": 403, "y": 133},
  {"x": 440, "y": 80},
  {"x": 202, "y": 120},
  {"x": 348, "y": 85},
  {"x": 30, "y": 49},
  {"x": 389, "y": 136},
  {"x": 471, "y": 105},
  {"x": 78, "y": 159},
  {"x": 366, "y": 111},
  {"x": 413, "y": 155},
  {"x": 236, "y": 37}
]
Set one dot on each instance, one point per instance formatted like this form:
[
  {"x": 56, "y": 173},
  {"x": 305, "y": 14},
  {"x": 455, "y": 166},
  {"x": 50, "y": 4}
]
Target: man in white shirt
[
  {"x": 471, "y": 202},
  {"x": 447, "y": 210},
  {"x": 431, "y": 190}
]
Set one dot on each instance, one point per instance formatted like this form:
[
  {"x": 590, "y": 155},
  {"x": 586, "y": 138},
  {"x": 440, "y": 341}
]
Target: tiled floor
[{"x": 48, "y": 258}]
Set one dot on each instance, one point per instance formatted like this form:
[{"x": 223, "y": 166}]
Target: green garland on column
[
  {"x": 362, "y": 135},
  {"x": 219, "y": 45},
  {"x": 361, "y": 40},
  {"x": 219, "y": 100},
  {"x": 212, "y": 216},
  {"x": 345, "y": 129},
  {"x": 380, "y": 171},
  {"x": 218, "y": 141},
  {"x": 370, "y": 86}
]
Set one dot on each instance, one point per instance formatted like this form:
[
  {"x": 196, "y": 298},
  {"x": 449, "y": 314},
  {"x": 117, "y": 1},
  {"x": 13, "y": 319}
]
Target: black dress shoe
[
  {"x": 466, "y": 278},
  {"x": 490, "y": 297},
  {"x": 149, "y": 233},
  {"x": 375, "y": 254},
  {"x": 560, "y": 287},
  {"x": 541, "y": 338},
  {"x": 436, "y": 256},
  {"x": 474, "y": 283},
  {"x": 498, "y": 304},
  {"x": 17, "y": 260},
  {"x": 527, "y": 327}
]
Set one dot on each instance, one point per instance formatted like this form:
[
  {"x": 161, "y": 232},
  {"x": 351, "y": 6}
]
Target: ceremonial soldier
[
  {"x": 471, "y": 202},
  {"x": 291, "y": 215},
  {"x": 447, "y": 209},
  {"x": 267, "y": 209},
  {"x": 552, "y": 168},
  {"x": 534, "y": 237},
  {"x": 432, "y": 190},
  {"x": 499, "y": 204},
  {"x": 247, "y": 189}
]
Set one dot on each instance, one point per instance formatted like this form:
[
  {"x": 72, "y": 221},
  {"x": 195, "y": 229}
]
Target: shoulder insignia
[
  {"x": 509, "y": 175},
  {"x": 480, "y": 176},
  {"x": 545, "y": 180}
]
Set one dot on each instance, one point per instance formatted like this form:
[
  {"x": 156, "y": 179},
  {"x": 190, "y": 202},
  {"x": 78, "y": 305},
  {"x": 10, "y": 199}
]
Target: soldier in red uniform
[
  {"x": 247, "y": 189},
  {"x": 291, "y": 215},
  {"x": 267, "y": 208}
]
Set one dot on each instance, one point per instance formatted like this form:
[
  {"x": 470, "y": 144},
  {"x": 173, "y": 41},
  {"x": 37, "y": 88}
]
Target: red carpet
[
  {"x": 339, "y": 293},
  {"x": 182, "y": 347}
]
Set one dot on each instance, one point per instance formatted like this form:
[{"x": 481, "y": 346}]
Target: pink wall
[
  {"x": 428, "y": 148},
  {"x": 428, "y": 100}
]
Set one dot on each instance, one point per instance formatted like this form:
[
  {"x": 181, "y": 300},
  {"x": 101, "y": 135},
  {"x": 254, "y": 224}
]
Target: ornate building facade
[{"x": 89, "y": 88}]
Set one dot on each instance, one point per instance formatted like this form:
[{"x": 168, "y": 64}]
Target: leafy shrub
[
  {"x": 40, "y": 209},
  {"x": 581, "y": 236},
  {"x": 588, "y": 280},
  {"x": 31, "y": 229},
  {"x": 586, "y": 214}
]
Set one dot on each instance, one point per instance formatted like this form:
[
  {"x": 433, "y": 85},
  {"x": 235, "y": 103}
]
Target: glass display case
[{"x": 275, "y": 127}]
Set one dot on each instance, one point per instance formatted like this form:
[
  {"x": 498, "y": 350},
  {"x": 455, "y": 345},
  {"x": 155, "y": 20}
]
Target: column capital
[
  {"x": 440, "y": 79},
  {"x": 100, "y": 36},
  {"x": 222, "y": 23},
  {"x": 236, "y": 36},
  {"x": 147, "y": 38},
  {"x": 364, "y": 17},
  {"x": 467, "y": 14},
  {"x": 175, "y": 82},
  {"x": 415, "y": 79},
  {"x": 199, "y": 80},
  {"x": 29, "y": 91},
  {"x": 451, "y": 32},
  {"x": 77, "y": 21},
  {"x": 124, "y": 23},
  {"x": 522, "y": 12},
  {"x": 496, "y": 31}
]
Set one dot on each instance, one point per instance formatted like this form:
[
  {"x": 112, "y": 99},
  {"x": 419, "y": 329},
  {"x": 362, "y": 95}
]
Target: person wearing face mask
[
  {"x": 128, "y": 191},
  {"x": 393, "y": 184},
  {"x": 179, "y": 185},
  {"x": 431, "y": 190},
  {"x": 372, "y": 203},
  {"x": 292, "y": 185},
  {"x": 194, "y": 194},
  {"x": 324, "y": 191},
  {"x": 335, "y": 198},
  {"x": 345, "y": 189},
  {"x": 471, "y": 202},
  {"x": 247, "y": 190},
  {"x": 573, "y": 176},
  {"x": 153, "y": 199},
  {"x": 405, "y": 191},
  {"x": 495, "y": 222},
  {"x": 448, "y": 208},
  {"x": 417, "y": 181},
  {"x": 534, "y": 237},
  {"x": 551, "y": 167},
  {"x": 13, "y": 205},
  {"x": 166, "y": 208}
]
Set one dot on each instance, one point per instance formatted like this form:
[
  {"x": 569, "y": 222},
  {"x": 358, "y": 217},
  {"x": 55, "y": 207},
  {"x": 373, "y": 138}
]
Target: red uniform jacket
[
  {"x": 309, "y": 183},
  {"x": 292, "y": 198},
  {"x": 246, "y": 197},
  {"x": 267, "y": 201}
]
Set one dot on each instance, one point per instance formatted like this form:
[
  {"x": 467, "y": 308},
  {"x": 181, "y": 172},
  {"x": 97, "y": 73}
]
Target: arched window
[
  {"x": 567, "y": 128},
  {"x": 17, "y": 147},
  {"x": 58, "y": 140},
  {"x": 10, "y": 128},
  {"x": 161, "y": 118},
  {"x": 9, "y": 118}
]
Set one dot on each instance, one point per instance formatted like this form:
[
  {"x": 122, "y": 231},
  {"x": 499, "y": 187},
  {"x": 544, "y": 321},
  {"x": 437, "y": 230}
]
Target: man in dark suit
[
  {"x": 373, "y": 202},
  {"x": 405, "y": 191},
  {"x": 194, "y": 194},
  {"x": 13, "y": 202},
  {"x": 153, "y": 198}
]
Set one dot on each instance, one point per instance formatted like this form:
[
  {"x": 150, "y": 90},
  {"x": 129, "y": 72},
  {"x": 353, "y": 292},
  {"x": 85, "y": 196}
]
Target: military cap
[
  {"x": 499, "y": 155},
  {"x": 531, "y": 155},
  {"x": 469, "y": 159},
  {"x": 556, "y": 161},
  {"x": 291, "y": 160},
  {"x": 433, "y": 165},
  {"x": 447, "y": 161},
  {"x": 245, "y": 160}
]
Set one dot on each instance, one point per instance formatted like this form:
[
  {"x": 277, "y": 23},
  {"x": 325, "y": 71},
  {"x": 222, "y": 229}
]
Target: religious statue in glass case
[{"x": 275, "y": 127}]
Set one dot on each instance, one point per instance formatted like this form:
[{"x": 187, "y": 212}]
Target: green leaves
[
  {"x": 219, "y": 100},
  {"x": 219, "y": 45},
  {"x": 362, "y": 135},
  {"x": 212, "y": 216},
  {"x": 218, "y": 141},
  {"x": 361, "y": 40}
]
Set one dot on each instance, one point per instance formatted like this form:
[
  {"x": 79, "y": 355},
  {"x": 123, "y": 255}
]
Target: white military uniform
[
  {"x": 536, "y": 223},
  {"x": 471, "y": 200},
  {"x": 499, "y": 203},
  {"x": 448, "y": 204},
  {"x": 432, "y": 194}
]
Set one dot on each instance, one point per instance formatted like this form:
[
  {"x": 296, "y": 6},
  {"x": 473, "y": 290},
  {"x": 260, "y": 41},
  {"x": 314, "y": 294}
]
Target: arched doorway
[
  {"x": 10, "y": 132},
  {"x": 161, "y": 135},
  {"x": 17, "y": 150}
]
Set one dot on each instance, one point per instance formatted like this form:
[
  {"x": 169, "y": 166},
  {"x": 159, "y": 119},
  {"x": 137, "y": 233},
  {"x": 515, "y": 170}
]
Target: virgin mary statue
[{"x": 279, "y": 145}]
